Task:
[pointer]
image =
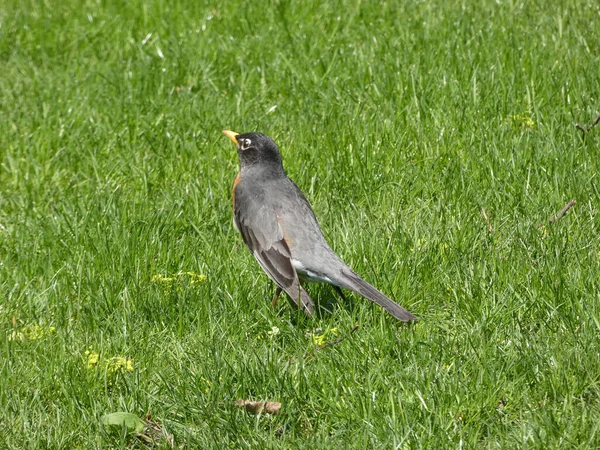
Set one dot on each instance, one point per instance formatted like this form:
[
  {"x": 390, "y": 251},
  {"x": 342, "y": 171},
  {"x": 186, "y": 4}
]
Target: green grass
[{"x": 400, "y": 122}]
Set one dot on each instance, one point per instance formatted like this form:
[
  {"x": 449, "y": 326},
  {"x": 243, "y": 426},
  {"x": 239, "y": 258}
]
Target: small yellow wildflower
[
  {"x": 178, "y": 278},
  {"x": 31, "y": 333},
  {"x": 522, "y": 121},
  {"x": 208, "y": 385},
  {"x": 167, "y": 282},
  {"x": 111, "y": 365},
  {"x": 91, "y": 359},
  {"x": 319, "y": 339},
  {"x": 158, "y": 278},
  {"x": 116, "y": 363},
  {"x": 196, "y": 278}
]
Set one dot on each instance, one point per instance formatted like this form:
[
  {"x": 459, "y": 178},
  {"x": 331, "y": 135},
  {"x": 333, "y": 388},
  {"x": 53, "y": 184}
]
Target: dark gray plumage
[{"x": 280, "y": 228}]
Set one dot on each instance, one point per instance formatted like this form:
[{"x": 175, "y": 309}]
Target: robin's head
[{"x": 255, "y": 148}]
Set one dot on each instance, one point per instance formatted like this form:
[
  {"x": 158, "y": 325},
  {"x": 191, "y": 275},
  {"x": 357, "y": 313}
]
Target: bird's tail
[{"x": 355, "y": 283}]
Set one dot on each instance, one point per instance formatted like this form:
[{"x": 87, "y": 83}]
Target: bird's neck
[{"x": 268, "y": 170}]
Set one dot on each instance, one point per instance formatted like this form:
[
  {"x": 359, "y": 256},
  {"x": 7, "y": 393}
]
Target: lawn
[{"x": 434, "y": 139}]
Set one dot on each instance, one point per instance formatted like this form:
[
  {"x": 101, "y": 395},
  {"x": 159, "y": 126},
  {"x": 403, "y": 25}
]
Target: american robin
[{"x": 280, "y": 228}]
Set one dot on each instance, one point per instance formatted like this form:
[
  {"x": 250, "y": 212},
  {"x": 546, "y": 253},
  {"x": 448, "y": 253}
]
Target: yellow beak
[{"x": 231, "y": 135}]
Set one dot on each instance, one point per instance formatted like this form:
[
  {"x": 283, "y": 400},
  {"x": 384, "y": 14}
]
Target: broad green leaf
[{"x": 118, "y": 419}]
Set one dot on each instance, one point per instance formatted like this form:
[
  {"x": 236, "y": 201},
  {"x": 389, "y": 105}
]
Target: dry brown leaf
[{"x": 259, "y": 407}]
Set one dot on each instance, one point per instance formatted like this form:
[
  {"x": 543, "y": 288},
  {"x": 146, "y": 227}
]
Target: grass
[{"x": 400, "y": 122}]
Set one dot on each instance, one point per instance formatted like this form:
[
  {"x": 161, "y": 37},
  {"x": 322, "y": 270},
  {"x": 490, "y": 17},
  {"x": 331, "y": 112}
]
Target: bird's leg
[
  {"x": 277, "y": 292},
  {"x": 341, "y": 294}
]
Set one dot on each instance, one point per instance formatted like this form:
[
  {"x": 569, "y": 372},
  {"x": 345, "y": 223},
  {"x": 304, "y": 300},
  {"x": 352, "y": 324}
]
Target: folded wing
[{"x": 260, "y": 231}]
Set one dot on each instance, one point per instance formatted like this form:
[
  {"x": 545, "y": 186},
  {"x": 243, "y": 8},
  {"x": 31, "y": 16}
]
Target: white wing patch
[{"x": 308, "y": 275}]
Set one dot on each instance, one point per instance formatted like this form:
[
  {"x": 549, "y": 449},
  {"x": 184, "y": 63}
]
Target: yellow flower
[
  {"x": 117, "y": 363},
  {"x": 111, "y": 365},
  {"x": 207, "y": 383},
  {"x": 522, "y": 121},
  {"x": 196, "y": 278},
  {"x": 31, "y": 333},
  {"x": 178, "y": 278},
  {"x": 160, "y": 279},
  {"x": 91, "y": 359},
  {"x": 319, "y": 339}
]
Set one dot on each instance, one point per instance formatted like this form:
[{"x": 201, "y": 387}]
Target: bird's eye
[{"x": 245, "y": 143}]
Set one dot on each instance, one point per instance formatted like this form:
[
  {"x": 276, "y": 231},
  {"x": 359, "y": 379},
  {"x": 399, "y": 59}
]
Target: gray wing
[
  {"x": 301, "y": 228},
  {"x": 257, "y": 223},
  {"x": 310, "y": 248}
]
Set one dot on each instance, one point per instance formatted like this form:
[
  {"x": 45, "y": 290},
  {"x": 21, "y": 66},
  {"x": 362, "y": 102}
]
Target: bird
[{"x": 279, "y": 227}]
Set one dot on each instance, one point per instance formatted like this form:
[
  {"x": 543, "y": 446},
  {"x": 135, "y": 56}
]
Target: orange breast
[{"x": 237, "y": 180}]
